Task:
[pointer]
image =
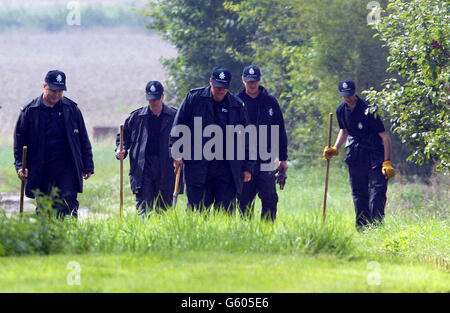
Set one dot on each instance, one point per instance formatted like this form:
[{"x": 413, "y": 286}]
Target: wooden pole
[
  {"x": 22, "y": 186},
  {"x": 328, "y": 168},
  {"x": 176, "y": 188},
  {"x": 121, "y": 172}
]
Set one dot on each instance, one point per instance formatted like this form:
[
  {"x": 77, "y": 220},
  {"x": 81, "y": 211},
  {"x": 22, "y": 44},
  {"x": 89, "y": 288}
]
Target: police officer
[
  {"x": 59, "y": 151},
  {"x": 146, "y": 137},
  {"x": 262, "y": 109},
  {"x": 368, "y": 154},
  {"x": 215, "y": 181}
]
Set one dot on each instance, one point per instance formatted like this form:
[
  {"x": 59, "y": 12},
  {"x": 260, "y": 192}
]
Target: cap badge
[
  {"x": 222, "y": 75},
  {"x": 360, "y": 126},
  {"x": 152, "y": 88},
  {"x": 59, "y": 78},
  {"x": 271, "y": 112},
  {"x": 251, "y": 71},
  {"x": 344, "y": 85}
]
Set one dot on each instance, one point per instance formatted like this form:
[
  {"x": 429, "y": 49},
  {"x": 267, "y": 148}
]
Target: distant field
[
  {"x": 107, "y": 70},
  {"x": 53, "y": 15}
]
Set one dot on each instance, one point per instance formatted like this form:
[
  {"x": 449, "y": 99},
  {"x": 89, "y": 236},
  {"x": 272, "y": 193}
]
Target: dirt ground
[{"x": 9, "y": 203}]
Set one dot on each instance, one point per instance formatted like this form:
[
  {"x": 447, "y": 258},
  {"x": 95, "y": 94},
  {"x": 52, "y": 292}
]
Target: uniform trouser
[
  {"x": 369, "y": 188},
  {"x": 263, "y": 183},
  {"x": 152, "y": 189},
  {"x": 218, "y": 189},
  {"x": 65, "y": 179}
]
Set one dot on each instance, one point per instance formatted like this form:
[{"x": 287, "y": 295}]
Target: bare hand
[
  {"x": 284, "y": 165},
  {"x": 87, "y": 175},
  {"x": 23, "y": 175},
  {"x": 120, "y": 154},
  {"x": 247, "y": 176},
  {"x": 177, "y": 163}
]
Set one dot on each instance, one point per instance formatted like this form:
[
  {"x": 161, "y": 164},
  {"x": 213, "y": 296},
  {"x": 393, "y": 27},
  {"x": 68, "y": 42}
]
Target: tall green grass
[
  {"x": 415, "y": 228},
  {"x": 175, "y": 230}
]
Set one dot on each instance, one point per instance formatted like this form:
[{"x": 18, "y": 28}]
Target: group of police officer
[{"x": 60, "y": 154}]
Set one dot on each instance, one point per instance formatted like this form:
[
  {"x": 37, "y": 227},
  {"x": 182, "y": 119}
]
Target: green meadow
[{"x": 181, "y": 251}]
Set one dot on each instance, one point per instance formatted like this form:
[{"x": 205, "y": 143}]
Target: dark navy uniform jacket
[
  {"x": 136, "y": 131},
  {"x": 268, "y": 112},
  {"x": 30, "y": 132},
  {"x": 199, "y": 103},
  {"x": 363, "y": 129}
]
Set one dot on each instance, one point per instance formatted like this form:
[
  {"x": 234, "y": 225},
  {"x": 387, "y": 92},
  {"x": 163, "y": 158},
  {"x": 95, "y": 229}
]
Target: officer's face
[
  {"x": 350, "y": 100},
  {"x": 52, "y": 96},
  {"x": 218, "y": 92},
  {"x": 156, "y": 102},
  {"x": 251, "y": 88}
]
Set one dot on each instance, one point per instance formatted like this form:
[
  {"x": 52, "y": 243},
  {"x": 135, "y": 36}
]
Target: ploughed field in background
[{"x": 107, "y": 70}]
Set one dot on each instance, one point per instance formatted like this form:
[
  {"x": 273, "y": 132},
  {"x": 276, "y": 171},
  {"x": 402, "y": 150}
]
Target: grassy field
[{"x": 181, "y": 252}]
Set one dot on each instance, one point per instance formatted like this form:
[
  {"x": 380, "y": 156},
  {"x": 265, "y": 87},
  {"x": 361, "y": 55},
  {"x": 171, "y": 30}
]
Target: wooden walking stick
[
  {"x": 176, "y": 188},
  {"x": 121, "y": 171},
  {"x": 328, "y": 168},
  {"x": 22, "y": 186}
]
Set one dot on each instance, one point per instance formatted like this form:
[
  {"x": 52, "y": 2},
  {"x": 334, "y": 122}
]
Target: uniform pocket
[{"x": 352, "y": 154}]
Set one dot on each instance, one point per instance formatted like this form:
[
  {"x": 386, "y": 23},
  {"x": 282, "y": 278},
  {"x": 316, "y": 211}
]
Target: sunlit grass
[{"x": 414, "y": 237}]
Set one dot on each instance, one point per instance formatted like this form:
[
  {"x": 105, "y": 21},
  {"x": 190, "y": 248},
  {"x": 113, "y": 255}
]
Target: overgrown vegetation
[
  {"x": 174, "y": 231},
  {"x": 416, "y": 226},
  {"x": 417, "y": 34},
  {"x": 304, "y": 49}
]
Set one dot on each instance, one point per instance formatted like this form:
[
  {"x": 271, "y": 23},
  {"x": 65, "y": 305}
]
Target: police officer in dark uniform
[
  {"x": 368, "y": 154},
  {"x": 262, "y": 109},
  {"x": 146, "y": 137},
  {"x": 59, "y": 150},
  {"x": 218, "y": 180}
]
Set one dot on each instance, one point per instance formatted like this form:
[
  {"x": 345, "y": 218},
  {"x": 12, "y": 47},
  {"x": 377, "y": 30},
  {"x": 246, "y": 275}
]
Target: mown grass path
[{"x": 216, "y": 272}]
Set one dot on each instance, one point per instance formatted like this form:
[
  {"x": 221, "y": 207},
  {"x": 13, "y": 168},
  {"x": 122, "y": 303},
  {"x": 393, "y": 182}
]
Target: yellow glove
[
  {"x": 387, "y": 169},
  {"x": 330, "y": 152}
]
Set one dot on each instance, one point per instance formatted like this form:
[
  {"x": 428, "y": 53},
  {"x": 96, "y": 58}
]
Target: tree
[
  {"x": 206, "y": 35},
  {"x": 416, "y": 33},
  {"x": 305, "y": 48}
]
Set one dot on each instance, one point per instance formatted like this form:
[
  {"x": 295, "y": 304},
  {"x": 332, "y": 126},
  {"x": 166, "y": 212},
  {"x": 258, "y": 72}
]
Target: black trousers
[
  {"x": 263, "y": 183},
  {"x": 369, "y": 188},
  {"x": 64, "y": 178},
  {"x": 153, "y": 189},
  {"x": 219, "y": 189}
]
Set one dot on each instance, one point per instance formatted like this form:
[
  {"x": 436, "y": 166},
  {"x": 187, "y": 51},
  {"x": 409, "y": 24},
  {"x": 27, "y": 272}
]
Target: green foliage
[
  {"x": 398, "y": 243},
  {"x": 417, "y": 35},
  {"x": 206, "y": 35},
  {"x": 39, "y": 235},
  {"x": 304, "y": 49},
  {"x": 173, "y": 231}
]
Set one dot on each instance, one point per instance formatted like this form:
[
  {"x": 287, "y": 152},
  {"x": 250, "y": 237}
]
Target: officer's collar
[
  {"x": 228, "y": 97},
  {"x": 41, "y": 103},
  {"x": 357, "y": 104}
]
